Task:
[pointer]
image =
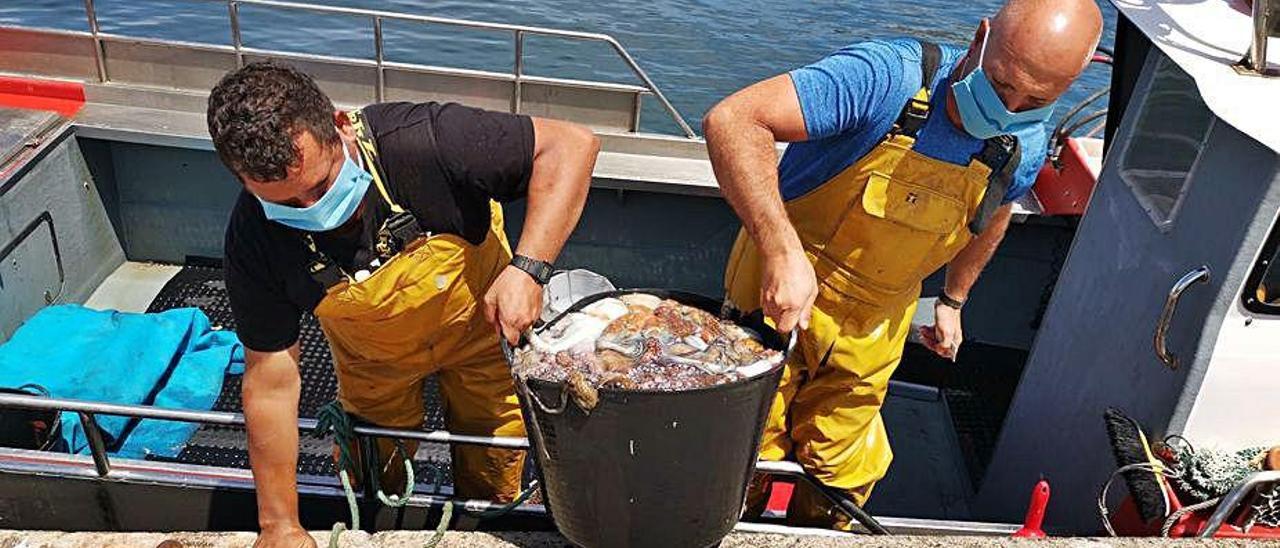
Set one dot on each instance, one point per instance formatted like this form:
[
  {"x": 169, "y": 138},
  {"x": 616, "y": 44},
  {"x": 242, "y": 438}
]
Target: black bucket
[{"x": 650, "y": 468}]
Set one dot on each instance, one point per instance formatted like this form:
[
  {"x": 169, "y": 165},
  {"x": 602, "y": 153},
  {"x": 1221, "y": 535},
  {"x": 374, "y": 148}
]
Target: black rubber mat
[{"x": 202, "y": 286}]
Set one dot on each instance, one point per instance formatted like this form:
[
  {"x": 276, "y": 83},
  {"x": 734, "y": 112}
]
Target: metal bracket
[
  {"x": 97, "y": 446},
  {"x": 1199, "y": 275},
  {"x": 1233, "y": 500}
]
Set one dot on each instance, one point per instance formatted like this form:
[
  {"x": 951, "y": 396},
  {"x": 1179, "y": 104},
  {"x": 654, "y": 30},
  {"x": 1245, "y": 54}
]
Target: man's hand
[
  {"x": 293, "y": 536},
  {"x": 513, "y": 303},
  {"x": 787, "y": 290},
  {"x": 945, "y": 335}
]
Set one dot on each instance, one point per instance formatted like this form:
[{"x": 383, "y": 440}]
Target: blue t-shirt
[{"x": 851, "y": 99}]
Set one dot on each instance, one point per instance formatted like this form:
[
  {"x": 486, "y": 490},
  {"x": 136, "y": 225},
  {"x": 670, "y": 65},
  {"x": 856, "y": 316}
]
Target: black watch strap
[
  {"x": 947, "y": 300},
  {"x": 540, "y": 271}
]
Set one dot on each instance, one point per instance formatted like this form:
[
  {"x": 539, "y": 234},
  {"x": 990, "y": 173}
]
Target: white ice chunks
[
  {"x": 642, "y": 299},
  {"x": 606, "y": 309}
]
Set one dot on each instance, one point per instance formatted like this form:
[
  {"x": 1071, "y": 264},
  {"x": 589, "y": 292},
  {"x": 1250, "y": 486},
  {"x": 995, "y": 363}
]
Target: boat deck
[
  {"x": 149, "y": 287},
  {"x": 942, "y": 417}
]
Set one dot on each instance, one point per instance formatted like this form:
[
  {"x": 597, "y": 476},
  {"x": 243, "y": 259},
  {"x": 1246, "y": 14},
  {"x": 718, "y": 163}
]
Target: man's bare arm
[
  {"x": 964, "y": 269},
  {"x": 741, "y": 131},
  {"x": 947, "y": 333},
  {"x": 270, "y": 392},
  {"x": 564, "y": 157}
]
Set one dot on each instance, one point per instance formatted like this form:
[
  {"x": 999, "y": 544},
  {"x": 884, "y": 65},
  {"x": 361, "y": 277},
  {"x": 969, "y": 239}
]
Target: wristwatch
[
  {"x": 540, "y": 271},
  {"x": 947, "y": 300}
]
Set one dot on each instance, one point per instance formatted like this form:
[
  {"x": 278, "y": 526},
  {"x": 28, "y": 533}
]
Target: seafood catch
[{"x": 641, "y": 342}]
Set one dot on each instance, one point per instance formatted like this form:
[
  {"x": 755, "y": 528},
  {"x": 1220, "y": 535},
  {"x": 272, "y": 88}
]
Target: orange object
[
  {"x": 1035, "y": 512},
  {"x": 65, "y": 98},
  {"x": 780, "y": 496},
  {"x": 1065, "y": 186}
]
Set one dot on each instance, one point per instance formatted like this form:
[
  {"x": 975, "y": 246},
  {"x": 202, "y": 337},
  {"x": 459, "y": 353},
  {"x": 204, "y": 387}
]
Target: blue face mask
[
  {"x": 333, "y": 209},
  {"x": 983, "y": 112}
]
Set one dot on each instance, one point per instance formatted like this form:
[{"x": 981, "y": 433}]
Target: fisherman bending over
[
  {"x": 905, "y": 157},
  {"x": 384, "y": 222}
]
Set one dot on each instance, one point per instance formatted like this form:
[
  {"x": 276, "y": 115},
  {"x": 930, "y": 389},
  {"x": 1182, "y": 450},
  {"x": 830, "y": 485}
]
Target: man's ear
[
  {"x": 975, "y": 46},
  {"x": 983, "y": 32},
  {"x": 343, "y": 122},
  {"x": 341, "y": 119}
]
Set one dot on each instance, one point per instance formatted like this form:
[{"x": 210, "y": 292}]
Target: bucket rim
[{"x": 770, "y": 338}]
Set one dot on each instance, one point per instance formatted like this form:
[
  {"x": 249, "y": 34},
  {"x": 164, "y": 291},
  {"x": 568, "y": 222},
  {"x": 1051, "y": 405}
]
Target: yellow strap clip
[{"x": 370, "y": 152}]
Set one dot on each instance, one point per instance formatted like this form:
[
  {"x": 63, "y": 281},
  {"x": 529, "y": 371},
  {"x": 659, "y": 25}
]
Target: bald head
[{"x": 1036, "y": 49}]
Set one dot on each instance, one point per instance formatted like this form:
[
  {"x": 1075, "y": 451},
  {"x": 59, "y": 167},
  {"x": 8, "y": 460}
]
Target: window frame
[
  {"x": 1266, "y": 260},
  {"x": 1164, "y": 223}
]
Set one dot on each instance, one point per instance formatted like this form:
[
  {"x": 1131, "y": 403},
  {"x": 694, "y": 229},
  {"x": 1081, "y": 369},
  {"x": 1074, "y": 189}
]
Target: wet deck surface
[{"x": 405, "y": 539}]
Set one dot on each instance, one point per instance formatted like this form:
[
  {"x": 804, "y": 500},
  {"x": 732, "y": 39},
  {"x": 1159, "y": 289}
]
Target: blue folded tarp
[{"x": 171, "y": 359}]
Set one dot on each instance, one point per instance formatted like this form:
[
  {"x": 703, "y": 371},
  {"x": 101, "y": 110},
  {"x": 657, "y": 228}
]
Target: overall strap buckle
[
  {"x": 916, "y": 112},
  {"x": 320, "y": 267},
  {"x": 1001, "y": 154},
  {"x": 398, "y": 231}
]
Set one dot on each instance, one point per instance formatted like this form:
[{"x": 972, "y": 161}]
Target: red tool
[{"x": 1035, "y": 512}]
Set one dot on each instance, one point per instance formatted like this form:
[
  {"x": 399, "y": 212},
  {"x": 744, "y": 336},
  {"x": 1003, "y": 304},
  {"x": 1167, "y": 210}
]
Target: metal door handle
[{"x": 1199, "y": 275}]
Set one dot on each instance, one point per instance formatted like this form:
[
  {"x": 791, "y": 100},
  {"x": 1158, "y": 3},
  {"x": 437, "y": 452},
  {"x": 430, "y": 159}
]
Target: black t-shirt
[{"x": 442, "y": 162}]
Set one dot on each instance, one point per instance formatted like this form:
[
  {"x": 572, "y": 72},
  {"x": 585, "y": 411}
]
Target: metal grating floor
[
  {"x": 202, "y": 286},
  {"x": 978, "y": 390}
]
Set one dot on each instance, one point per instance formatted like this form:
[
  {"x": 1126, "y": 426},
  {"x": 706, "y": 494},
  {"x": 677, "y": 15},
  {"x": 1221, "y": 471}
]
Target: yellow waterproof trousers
[
  {"x": 873, "y": 233},
  {"x": 420, "y": 314}
]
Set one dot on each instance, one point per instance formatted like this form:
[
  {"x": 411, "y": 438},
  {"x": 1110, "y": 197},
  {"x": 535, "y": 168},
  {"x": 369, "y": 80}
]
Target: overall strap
[
  {"x": 397, "y": 231},
  {"x": 916, "y": 111},
  {"x": 1001, "y": 154},
  {"x": 369, "y": 150}
]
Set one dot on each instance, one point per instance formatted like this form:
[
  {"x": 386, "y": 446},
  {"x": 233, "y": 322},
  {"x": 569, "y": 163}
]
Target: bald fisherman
[{"x": 905, "y": 157}]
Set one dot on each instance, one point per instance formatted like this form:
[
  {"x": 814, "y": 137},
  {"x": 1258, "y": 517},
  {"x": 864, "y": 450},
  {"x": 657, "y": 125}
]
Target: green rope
[
  {"x": 1211, "y": 473},
  {"x": 396, "y": 501},
  {"x": 442, "y": 526},
  {"x": 338, "y": 526},
  {"x": 333, "y": 419}
]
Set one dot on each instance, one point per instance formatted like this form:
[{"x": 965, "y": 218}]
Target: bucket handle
[{"x": 537, "y": 400}]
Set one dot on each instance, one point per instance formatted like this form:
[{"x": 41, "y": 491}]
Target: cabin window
[
  {"x": 1262, "y": 292},
  {"x": 1170, "y": 131}
]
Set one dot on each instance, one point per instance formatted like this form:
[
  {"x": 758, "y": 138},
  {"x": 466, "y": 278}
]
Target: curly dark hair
[{"x": 255, "y": 113}]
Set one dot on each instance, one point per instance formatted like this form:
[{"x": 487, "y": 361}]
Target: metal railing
[
  {"x": 376, "y": 19},
  {"x": 1266, "y": 24},
  {"x": 87, "y": 412}
]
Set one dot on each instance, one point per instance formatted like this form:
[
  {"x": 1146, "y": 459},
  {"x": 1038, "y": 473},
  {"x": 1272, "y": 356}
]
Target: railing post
[
  {"x": 516, "y": 90},
  {"x": 380, "y": 92},
  {"x": 233, "y": 12},
  {"x": 644, "y": 77},
  {"x": 98, "y": 53},
  {"x": 635, "y": 112},
  {"x": 97, "y": 446}
]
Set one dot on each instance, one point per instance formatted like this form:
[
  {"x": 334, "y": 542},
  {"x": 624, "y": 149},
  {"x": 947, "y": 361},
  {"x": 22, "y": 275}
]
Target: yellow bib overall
[
  {"x": 421, "y": 314},
  {"x": 873, "y": 233}
]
